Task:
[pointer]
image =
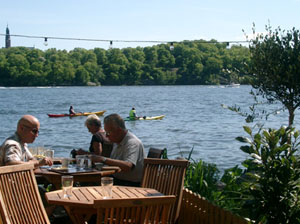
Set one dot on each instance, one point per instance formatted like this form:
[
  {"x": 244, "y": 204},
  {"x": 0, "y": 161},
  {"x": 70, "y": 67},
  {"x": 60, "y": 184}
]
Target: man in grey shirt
[{"x": 128, "y": 152}]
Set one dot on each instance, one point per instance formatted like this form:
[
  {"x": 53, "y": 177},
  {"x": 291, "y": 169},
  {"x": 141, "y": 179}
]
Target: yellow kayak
[{"x": 145, "y": 118}]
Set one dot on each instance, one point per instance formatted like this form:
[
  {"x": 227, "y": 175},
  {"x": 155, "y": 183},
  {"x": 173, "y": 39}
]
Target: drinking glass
[
  {"x": 40, "y": 151},
  {"x": 33, "y": 151},
  {"x": 67, "y": 185},
  {"x": 80, "y": 159},
  {"x": 49, "y": 153},
  {"x": 106, "y": 185},
  {"x": 65, "y": 163},
  {"x": 88, "y": 162}
]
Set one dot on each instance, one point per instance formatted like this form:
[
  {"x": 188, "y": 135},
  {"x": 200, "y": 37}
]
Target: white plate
[{"x": 58, "y": 168}]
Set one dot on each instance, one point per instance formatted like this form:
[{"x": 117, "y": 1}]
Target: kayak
[
  {"x": 99, "y": 113},
  {"x": 145, "y": 118}
]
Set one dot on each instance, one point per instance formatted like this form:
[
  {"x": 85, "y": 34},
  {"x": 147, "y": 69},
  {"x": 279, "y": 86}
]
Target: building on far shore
[{"x": 7, "y": 38}]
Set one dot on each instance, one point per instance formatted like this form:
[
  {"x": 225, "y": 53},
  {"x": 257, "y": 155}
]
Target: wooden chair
[
  {"x": 155, "y": 153},
  {"x": 166, "y": 176},
  {"x": 20, "y": 201},
  {"x": 142, "y": 210}
]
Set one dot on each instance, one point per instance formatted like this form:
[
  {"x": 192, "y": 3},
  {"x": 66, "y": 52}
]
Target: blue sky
[{"x": 151, "y": 20}]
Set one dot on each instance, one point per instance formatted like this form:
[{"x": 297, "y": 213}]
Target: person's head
[
  {"x": 71, "y": 107},
  {"x": 93, "y": 123},
  {"x": 115, "y": 128},
  {"x": 133, "y": 108},
  {"x": 28, "y": 128}
]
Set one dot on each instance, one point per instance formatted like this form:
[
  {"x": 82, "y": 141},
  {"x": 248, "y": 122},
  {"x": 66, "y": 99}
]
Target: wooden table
[
  {"x": 80, "y": 205},
  {"x": 93, "y": 176}
]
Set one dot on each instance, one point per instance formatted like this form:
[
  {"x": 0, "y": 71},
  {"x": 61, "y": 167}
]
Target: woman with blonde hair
[{"x": 100, "y": 144}]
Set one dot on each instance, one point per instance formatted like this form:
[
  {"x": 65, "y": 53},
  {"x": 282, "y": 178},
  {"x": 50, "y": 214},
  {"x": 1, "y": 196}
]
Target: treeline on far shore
[{"x": 190, "y": 63}]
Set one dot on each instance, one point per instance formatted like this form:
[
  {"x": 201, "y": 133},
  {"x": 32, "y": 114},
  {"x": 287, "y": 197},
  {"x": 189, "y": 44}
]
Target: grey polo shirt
[{"x": 131, "y": 150}]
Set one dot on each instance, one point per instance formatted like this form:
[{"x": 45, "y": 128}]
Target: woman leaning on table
[{"x": 100, "y": 144}]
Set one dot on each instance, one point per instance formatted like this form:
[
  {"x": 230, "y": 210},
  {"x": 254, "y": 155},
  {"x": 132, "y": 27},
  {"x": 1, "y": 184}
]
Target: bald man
[{"x": 14, "y": 150}]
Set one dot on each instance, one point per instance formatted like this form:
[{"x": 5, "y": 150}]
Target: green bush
[
  {"x": 202, "y": 178},
  {"x": 231, "y": 196},
  {"x": 267, "y": 190},
  {"x": 271, "y": 188}
]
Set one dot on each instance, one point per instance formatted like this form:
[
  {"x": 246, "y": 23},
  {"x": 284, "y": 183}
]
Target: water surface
[{"x": 194, "y": 117}]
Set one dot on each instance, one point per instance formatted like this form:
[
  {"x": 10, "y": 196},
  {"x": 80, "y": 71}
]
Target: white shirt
[{"x": 13, "y": 150}]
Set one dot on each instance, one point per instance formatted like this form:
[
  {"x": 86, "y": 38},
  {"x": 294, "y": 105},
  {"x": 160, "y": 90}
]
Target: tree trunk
[{"x": 291, "y": 116}]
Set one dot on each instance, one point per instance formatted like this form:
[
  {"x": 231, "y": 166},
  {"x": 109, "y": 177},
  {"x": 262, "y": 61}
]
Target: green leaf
[
  {"x": 243, "y": 139},
  {"x": 246, "y": 149},
  {"x": 296, "y": 134},
  {"x": 248, "y": 130},
  {"x": 49, "y": 187},
  {"x": 266, "y": 134},
  {"x": 257, "y": 138}
]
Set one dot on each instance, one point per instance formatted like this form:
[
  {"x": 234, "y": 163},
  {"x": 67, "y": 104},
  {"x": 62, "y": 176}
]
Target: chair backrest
[
  {"x": 166, "y": 176},
  {"x": 21, "y": 202},
  {"x": 3, "y": 212},
  {"x": 132, "y": 210},
  {"x": 155, "y": 153}
]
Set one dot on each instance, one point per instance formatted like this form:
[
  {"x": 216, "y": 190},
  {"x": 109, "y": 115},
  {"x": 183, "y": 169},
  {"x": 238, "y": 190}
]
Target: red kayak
[{"x": 99, "y": 113}]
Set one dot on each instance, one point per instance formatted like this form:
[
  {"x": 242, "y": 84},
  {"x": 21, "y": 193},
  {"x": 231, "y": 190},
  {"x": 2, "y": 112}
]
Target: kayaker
[
  {"x": 15, "y": 151},
  {"x": 128, "y": 152},
  {"x": 132, "y": 114},
  {"x": 71, "y": 110},
  {"x": 100, "y": 144}
]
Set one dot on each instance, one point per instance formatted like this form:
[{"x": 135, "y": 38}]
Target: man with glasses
[
  {"x": 14, "y": 150},
  {"x": 128, "y": 152}
]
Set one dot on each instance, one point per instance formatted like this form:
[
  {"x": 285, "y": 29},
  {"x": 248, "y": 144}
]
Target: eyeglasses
[
  {"x": 34, "y": 131},
  {"x": 108, "y": 133},
  {"x": 112, "y": 130}
]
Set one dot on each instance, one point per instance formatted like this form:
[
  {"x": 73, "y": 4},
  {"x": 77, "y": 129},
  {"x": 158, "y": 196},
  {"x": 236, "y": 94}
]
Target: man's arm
[
  {"x": 36, "y": 163},
  {"x": 33, "y": 161},
  {"x": 124, "y": 165}
]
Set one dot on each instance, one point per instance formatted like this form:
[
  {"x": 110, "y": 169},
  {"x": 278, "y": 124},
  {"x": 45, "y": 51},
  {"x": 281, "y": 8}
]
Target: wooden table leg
[
  {"x": 72, "y": 216},
  {"x": 79, "y": 215}
]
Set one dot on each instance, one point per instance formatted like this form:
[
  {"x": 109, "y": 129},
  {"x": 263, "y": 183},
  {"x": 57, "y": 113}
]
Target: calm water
[{"x": 194, "y": 117}]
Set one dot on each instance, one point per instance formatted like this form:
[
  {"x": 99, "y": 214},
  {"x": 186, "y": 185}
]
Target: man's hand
[
  {"x": 46, "y": 161},
  {"x": 124, "y": 165}
]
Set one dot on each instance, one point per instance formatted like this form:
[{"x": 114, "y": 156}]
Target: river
[{"x": 194, "y": 117}]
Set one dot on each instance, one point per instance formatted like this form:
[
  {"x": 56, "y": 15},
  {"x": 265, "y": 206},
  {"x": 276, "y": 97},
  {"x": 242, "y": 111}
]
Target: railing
[{"x": 195, "y": 209}]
